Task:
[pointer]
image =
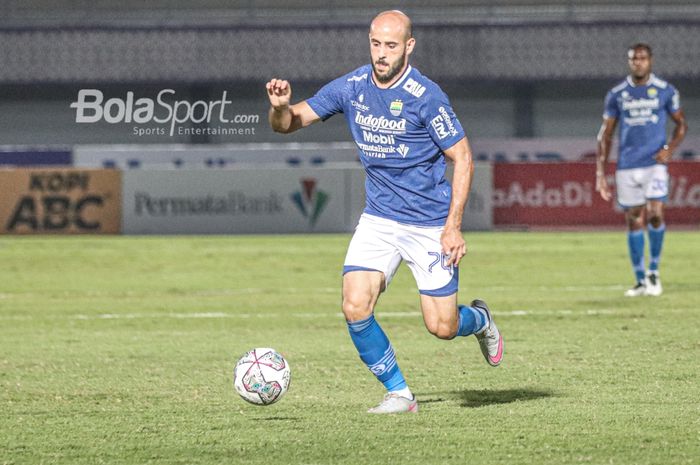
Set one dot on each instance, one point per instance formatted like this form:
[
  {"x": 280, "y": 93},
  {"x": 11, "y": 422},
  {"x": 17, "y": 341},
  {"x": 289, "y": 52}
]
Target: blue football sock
[
  {"x": 376, "y": 351},
  {"x": 635, "y": 241},
  {"x": 471, "y": 320},
  {"x": 656, "y": 241}
]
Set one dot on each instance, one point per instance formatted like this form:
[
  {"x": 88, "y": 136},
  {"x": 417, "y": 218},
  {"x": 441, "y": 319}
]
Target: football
[{"x": 261, "y": 376}]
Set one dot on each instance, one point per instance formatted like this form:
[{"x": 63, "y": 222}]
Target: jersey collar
[
  {"x": 409, "y": 68},
  {"x": 630, "y": 81}
]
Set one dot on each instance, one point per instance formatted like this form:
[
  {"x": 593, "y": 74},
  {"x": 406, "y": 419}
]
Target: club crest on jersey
[
  {"x": 652, "y": 92},
  {"x": 396, "y": 107}
]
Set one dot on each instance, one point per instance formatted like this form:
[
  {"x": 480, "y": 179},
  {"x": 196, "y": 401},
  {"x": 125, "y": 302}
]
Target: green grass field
[{"x": 120, "y": 350}]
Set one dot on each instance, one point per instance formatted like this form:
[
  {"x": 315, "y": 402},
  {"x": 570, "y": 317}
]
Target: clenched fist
[{"x": 280, "y": 93}]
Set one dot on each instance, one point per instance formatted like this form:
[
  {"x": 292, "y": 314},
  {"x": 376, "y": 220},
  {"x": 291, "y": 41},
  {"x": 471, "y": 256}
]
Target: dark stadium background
[{"x": 528, "y": 74}]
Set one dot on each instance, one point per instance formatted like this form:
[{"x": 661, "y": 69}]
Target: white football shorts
[
  {"x": 637, "y": 185},
  {"x": 380, "y": 244}
]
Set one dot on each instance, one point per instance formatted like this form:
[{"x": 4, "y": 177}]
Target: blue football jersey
[
  {"x": 400, "y": 133},
  {"x": 642, "y": 112}
]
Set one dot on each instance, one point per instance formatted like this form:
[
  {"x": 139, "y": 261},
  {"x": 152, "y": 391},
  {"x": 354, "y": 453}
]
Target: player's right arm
[
  {"x": 283, "y": 116},
  {"x": 605, "y": 137}
]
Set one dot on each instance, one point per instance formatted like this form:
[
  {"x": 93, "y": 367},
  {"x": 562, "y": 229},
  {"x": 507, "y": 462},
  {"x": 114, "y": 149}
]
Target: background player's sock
[
  {"x": 471, "y": 320},
  {"x": 376, "y": 351},
  {"x": 656, "y": 241},
  {"x": 635, "y": 241}
]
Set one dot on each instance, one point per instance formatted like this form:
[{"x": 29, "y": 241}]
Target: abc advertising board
[
  {"x": 563, "y": 194},
  {"x": 60, "y": 201}
]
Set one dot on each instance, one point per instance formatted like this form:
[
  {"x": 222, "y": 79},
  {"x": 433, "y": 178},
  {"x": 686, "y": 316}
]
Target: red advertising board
[{"x": 563, "y": 194}]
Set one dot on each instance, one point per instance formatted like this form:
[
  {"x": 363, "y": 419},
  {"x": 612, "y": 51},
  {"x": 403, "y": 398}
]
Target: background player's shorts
[
  {"x": 637, "y": 185},
  {"x": 380, "y": 245}
]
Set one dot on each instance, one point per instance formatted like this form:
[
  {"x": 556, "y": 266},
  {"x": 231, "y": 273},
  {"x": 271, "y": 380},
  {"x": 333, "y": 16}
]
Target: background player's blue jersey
[
  {"x": 401, "y": 133},
  {"x": 642, "y": 112}
]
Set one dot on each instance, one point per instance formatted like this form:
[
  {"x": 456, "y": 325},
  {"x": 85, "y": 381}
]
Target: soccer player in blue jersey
[
  {"x": 404, "y": 128},
  {"x": 641, "y": 104}
]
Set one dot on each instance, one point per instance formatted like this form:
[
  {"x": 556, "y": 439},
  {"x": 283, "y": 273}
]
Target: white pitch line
[
  {"x": 414, "y": 314},
  {"x": 320, "y": 314}
]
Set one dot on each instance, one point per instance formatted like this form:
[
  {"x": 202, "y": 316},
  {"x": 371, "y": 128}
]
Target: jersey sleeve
[
  {"x": 611, "y": 108},
  {"x": 673, "y": 104},
  {"x": 330, "y": 99},
  {"x": 440, "y": 121}
]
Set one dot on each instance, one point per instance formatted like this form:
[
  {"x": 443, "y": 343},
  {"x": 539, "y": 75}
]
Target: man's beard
[
  {"x": 393, "y": 71},
  {"x": 640, "y": 75}
]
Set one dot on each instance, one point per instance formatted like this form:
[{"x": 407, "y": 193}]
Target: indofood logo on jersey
[
  {"x": 641, "y": 110},
  {"x": 309, "y": 200},
  {"x": 639, "y": 104},
  {"x": 381, "y": 124}
]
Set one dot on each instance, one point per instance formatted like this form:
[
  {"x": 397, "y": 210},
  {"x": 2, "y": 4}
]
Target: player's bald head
[{"x": 392, "y": 21}]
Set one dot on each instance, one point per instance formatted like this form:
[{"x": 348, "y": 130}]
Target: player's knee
[
  {"x": 442, "y": 329},
  {"x": 445, "y": 332},
  {"x": 356, "y": 308},
  {"x": 635, "y": 218},
  {"x": 656, "y": 220},
  {"x": 635, "y": 222}
]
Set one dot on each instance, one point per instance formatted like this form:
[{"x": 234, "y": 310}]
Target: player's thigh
[
  {"x": 372, "y": 248},
  {"x": 440, "y": 315},
  {"x": 420, "y": 247},
  {"x": 361, "y": 291},
  {"x": 656, "y": 183}
]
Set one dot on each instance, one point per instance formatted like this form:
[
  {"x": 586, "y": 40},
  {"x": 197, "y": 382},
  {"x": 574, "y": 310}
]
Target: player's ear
[{"x": 410, "y": 43}]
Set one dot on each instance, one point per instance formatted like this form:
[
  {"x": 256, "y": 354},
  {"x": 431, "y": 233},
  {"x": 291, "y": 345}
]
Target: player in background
[
  {"x": 404, "y": 128},
  {"x": 641, "y": 104}
]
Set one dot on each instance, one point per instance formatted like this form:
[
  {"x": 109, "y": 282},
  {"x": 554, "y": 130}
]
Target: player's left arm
[
  {"x": 665, "y": 154},
  {"x": 453, "y": 244}
]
